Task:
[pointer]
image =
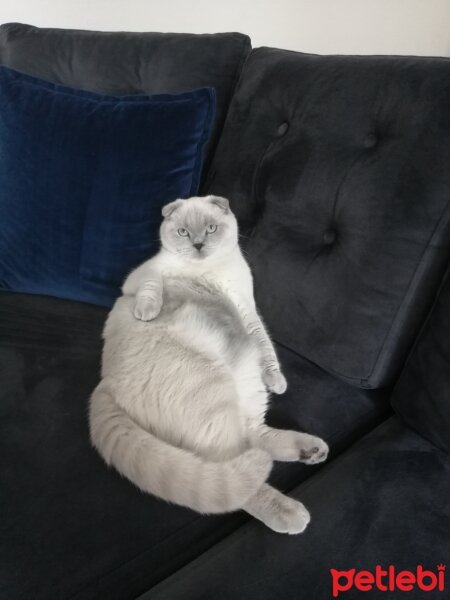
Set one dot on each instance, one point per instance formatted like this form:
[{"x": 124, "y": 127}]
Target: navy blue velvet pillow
[{"x": 83, "y": 178}]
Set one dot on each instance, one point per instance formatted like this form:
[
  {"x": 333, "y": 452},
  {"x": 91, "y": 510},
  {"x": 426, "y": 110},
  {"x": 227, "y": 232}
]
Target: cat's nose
[{"x": 198, "y": 246}]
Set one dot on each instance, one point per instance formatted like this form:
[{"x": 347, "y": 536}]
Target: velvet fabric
[
  {"x": 76, "y": 528},
  {"x": 384, "y": 502},
  {"x": 122, "y": 63},
  {"x": 83, "y": 179},
  {"x": 422, "y": 394},
  {"x": 338, "y": 170}
]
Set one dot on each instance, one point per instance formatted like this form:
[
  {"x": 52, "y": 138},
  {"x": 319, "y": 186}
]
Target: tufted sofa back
[{"x": 338, "y": 169}]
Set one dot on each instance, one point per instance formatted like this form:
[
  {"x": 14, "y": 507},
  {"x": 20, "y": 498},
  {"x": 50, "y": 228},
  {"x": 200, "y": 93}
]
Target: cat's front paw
[
  {"x": 146, "y": 308},
  {"x": 275, "y": 381},
  {"x": 312, "y": 449}
]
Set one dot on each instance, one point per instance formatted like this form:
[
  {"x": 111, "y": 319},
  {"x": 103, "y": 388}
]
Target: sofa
[{"x": 338, "y": 170}]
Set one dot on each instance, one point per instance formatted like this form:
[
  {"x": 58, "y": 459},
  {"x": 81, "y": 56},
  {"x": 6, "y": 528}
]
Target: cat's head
[{"x": 199, "y": 228}]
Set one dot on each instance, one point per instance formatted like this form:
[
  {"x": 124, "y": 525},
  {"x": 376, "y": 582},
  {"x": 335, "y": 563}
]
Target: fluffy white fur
[{"x": 187, "y": 371}]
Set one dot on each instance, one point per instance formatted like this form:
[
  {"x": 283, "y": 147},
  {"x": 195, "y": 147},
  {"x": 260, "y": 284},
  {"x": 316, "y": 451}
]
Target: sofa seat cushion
[
  {"x": 338, "y": 170},
  {"x": 71, "y": 527},
  {"x": 121, "y": 63},
  {"x": 386, "y": 501}
]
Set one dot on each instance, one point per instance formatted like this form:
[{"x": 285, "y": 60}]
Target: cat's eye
[
  {"x": 211, "y": 228},
  {"x": 183, "y": 232}
]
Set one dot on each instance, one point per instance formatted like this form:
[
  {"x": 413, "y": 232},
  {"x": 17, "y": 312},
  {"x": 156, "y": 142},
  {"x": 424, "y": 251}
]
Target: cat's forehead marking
[{"x": 196, "y": 217}]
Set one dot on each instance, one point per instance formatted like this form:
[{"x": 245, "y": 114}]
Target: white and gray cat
[{"x": 186, "y": 375}]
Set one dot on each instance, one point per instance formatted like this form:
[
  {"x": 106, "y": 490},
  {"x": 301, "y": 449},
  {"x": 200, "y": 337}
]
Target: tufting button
[
  {"x": 282, "y": 128},
  {"x": 329, "y": 237},
  {"x": 370, "y": 140}
]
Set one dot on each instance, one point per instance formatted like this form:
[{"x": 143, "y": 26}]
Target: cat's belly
[
  {"x": 207, "y": 320},
  {"x": 194, "y": 315},
  {"x": 182, "y": 375}
]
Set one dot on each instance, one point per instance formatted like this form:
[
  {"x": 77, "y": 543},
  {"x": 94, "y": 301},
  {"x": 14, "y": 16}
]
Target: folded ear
[
  {"x": 220, "y": 202},
  {"x": 168, "y": 209}
]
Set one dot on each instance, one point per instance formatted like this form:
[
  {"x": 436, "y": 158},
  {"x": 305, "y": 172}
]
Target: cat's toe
[{"x": 316, "y": 451}]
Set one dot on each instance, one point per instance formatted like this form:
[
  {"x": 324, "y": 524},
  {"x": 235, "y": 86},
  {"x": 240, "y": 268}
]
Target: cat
[{"x": 187, "y": 371}]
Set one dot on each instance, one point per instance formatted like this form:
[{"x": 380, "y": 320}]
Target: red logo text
[{"x": 388, "y": 580}]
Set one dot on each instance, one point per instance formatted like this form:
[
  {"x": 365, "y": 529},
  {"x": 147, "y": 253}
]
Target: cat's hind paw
[
  {"x": 313, "y": 450},
  {"x": 286, "y": 515},
  {"x": 293, "y": 518}
]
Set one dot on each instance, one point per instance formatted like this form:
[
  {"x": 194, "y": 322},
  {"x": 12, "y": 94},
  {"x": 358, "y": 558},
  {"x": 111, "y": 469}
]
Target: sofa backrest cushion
[
  {"x": 83, "y": 179},
  {"x": 120, "y": 63},
  {"x": 422, "y": 394},
  {"x": 338, "y": 168}
]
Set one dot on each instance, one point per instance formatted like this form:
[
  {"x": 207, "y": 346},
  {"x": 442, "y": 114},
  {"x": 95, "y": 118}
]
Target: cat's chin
[
  {"x": 200, "y": 257},
  {"x": 195, "y": 258}
]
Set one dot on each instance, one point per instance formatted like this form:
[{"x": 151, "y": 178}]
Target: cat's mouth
[
  {"x": 199, "y": 250},
  {"x": 191, "y": 254}
]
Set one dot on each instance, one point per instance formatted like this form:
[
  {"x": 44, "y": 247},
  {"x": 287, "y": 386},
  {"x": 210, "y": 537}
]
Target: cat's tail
[{"x": 171, "y": 473}]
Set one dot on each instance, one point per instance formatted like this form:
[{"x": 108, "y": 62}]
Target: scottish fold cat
[{"x": 187, "y": 371}]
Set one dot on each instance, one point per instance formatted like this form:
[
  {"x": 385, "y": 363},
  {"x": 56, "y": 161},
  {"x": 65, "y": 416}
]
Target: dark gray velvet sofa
[{"x": 338, "y": 169}]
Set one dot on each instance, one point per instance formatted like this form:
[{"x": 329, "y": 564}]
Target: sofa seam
[
  {"x": 345, "y": 378},
  {"x": 408, "y": 425},
  {"x": 404, "y": 301},
  {"x": 129, "y": 561},
  {"x": 427, "y": 319},
  {"x": 239, "y": 71}
]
